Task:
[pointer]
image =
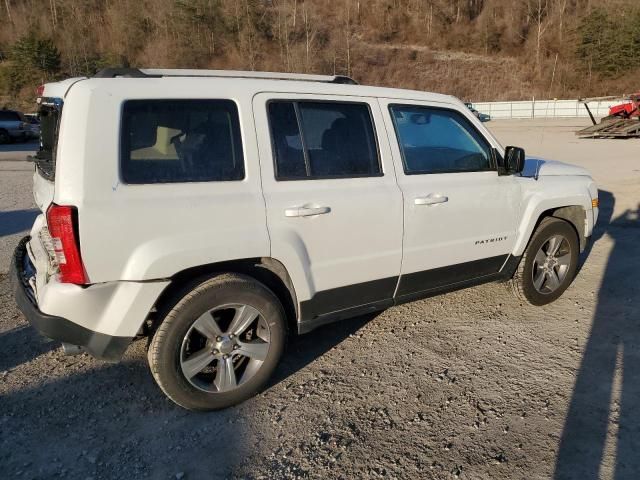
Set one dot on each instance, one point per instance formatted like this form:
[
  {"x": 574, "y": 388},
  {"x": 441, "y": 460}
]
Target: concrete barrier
[{"x": 544, "y": 108}]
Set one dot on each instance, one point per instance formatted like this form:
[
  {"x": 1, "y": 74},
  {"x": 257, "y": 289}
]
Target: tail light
[
  {"x": 40, "y": 90},
  {"x": 63, "y": 228}
]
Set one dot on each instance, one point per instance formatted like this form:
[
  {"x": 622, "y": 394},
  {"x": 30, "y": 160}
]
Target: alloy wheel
[
  {"x": 224, "y": 348},
  {"x": 551, "y": 264}
]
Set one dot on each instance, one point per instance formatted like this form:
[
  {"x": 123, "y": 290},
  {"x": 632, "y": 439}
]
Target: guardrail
[{"x": 544, "y": 108}]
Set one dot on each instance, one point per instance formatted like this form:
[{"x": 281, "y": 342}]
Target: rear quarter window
[
  {"x": 49, "y": 114},
  {"x": 169, "y": 141}
]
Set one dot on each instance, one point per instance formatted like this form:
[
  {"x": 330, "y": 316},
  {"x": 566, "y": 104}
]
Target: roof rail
[
  {"x": 122, "y": 72},
  {"x": 157, "y": 73}
]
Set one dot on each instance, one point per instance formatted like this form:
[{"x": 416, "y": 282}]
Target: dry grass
[{"x": 477, "y": 50}]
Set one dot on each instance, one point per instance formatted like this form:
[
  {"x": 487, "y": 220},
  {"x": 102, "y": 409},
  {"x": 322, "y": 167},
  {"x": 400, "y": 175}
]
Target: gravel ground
[{"x": 471, "y": 384}]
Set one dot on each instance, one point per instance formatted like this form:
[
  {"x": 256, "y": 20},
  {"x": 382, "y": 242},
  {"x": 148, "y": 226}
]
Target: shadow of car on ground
[{"x": 613, "y": 346}]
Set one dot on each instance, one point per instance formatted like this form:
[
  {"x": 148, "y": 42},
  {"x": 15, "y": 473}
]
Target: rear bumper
[{"x": 100, "y": 345}]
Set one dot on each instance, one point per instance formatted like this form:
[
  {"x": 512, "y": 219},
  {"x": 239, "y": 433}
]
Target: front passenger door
[{"x": 460, "y": 216}]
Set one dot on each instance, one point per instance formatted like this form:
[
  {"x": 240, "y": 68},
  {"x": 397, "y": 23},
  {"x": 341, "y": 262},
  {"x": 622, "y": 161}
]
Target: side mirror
[{"x": 513, "y": 160}]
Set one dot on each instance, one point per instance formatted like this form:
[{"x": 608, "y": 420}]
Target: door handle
[
  {"x": 431, "y": 199},
  {"x": 306, "y": 211}
]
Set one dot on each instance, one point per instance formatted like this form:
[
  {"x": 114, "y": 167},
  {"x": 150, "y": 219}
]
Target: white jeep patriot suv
[{"x": 215, "y": 211}]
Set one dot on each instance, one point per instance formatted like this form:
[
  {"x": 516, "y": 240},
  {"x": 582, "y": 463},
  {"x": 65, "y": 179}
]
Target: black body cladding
[{"x": 340, "y": 303}]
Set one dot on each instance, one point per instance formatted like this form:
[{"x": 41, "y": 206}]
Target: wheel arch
[
  {"x": 576, "y": 216},
  {"x": 574, "y": 213},
  {"x": 268, "y": 271}
]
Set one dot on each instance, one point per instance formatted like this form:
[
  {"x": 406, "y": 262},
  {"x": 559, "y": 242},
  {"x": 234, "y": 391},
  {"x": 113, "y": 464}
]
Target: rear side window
[
  {"x": 437, "y": 140},
  {"x": 313, "y": 140},
  {"x": 168, "y": 141}
]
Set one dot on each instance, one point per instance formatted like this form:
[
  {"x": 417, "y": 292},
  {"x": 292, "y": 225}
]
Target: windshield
[{"x": 49, "y": 116}]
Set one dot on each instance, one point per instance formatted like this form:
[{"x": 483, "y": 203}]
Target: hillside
[{"x": 475, "y": 49}]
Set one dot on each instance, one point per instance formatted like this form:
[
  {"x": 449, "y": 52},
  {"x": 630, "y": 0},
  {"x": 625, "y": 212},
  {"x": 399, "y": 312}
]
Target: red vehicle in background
[
  {"x": 623, "y": 120},
  {"x": 630, "y": 108}
]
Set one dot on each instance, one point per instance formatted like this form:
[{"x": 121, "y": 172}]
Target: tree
[
  {"x": 31, "y": 60},
  {"x": 539, "y": 10},
  {"x": 609, "y": 44},
  {"x": 37, "y": 54}
]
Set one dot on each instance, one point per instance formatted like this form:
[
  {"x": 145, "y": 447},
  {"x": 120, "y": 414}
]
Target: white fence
[{"x": 544, "y": 108}]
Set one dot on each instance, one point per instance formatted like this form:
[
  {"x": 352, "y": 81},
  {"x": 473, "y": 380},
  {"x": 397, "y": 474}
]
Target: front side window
[
  {"x": 322, "y": 140},
  {"x": 435, "y": 140},
  {"x": 167, "y": 141}
]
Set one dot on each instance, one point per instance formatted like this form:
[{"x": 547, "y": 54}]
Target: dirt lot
[{"x": 469, "y": 385}]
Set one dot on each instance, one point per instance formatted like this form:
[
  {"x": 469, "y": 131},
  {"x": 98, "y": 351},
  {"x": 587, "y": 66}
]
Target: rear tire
[
  {"x": 4, "y": 137},
  {"x": 219, "y": 344},
  {"x": 549, "y": 263}
]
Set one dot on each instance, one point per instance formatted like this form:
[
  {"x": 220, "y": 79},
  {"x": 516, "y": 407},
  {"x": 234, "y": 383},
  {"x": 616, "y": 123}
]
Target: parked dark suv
[{"x": 12, "y": 126}]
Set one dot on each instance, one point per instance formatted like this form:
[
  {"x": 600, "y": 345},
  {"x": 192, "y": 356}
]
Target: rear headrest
[{"x": 333, "y": 139}]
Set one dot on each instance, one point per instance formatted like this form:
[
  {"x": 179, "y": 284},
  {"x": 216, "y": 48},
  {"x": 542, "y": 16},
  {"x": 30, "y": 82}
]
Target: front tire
[
  {"x": 549, "y": 263},
  {"x": 220, "y": 344}
]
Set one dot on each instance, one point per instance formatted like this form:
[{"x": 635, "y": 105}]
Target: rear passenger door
[
  {"x": 460, "y": 216},
  {"x": 334, "y": 209}
]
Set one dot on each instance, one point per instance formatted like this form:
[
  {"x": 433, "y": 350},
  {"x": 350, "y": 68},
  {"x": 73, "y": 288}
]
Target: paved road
[
  {"x": 17, "y": 208},
  {"x": 18, "y": 151}
]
